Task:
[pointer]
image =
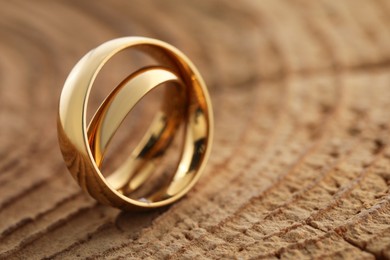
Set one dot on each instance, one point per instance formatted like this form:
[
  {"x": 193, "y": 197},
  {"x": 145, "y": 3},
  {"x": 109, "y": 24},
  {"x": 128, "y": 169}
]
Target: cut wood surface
[{"x": 300, "y": 166}]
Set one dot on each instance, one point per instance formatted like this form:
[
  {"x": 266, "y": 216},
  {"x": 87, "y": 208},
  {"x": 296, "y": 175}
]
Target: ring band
[{"x": 186, "y": 101}]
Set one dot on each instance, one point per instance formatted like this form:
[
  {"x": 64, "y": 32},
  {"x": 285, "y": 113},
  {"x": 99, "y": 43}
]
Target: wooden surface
[{"x": 300, "y": 166}]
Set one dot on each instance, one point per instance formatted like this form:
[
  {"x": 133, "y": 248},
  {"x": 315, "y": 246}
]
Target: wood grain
[{"x": 300, "y": 166}]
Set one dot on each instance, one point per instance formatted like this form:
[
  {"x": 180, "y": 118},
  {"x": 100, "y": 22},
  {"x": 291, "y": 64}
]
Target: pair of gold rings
[{"x": 186, "y": 102}]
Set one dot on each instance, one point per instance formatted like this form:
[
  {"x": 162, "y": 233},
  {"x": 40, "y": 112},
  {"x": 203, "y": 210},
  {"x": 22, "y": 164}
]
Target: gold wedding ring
[{"x": 186, "y": 102}]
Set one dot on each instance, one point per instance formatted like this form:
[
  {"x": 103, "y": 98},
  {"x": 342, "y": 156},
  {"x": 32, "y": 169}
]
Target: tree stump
[{"x": 300, "y": 166}]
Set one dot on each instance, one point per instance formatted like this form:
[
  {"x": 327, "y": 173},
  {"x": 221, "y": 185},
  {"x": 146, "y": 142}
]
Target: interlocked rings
[{"x": 185, "y": 102}]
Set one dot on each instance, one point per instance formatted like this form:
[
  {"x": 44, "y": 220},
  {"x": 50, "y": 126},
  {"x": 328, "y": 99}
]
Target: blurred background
[{"x": 300, "y": 166}]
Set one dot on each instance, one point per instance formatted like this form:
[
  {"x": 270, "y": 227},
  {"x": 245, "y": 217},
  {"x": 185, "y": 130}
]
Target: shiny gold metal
[{"x": 186, "y": 101}]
